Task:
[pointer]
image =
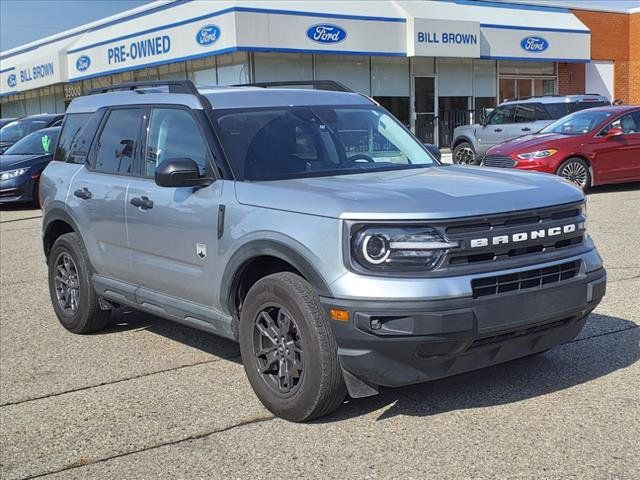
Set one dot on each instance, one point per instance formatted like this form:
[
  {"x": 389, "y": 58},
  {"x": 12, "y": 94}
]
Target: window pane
[
  {"x": 117, "y": 144},
  {"x": 502, "y": 115},
  {"x": 390, "y": 77},
  {"x": 73, "y": 123},
  {"x": 273, "y": 67},
  {"x": 173, "y": 133},
  {"x": 525, "y": 113},
  {"x": 233, "y": 68}
]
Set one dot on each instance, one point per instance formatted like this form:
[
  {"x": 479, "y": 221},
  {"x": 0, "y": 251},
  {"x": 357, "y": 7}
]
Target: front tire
[
  {"x": 464, "y": 154},
  {"x": 289, "y": 352},
  {"x": 70, "y": 286},
  {"x": 576, "y": 171}
]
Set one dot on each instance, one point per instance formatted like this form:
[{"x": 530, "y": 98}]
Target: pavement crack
[
  {"x": 624, "y": 279},
  {"x": 121, "y": 380},
  {"x": 613, "y": 332},
  {"x": 20, "y": 219},
  {"x": 198, "y": 436}
]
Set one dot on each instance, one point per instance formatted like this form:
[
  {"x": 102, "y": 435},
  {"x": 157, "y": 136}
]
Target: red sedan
[{"x": 590, "y": 147}]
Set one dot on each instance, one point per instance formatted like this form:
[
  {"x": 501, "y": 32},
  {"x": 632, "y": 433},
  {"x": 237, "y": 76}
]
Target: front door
[
  {"x": 172, "y": 231},
  {"x": 617, "y": 158},
  {"x": 423, "y": 109}
]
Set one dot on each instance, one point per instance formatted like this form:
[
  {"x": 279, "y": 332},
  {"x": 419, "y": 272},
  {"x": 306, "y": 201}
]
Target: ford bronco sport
[{"x": 310, "y": 226}]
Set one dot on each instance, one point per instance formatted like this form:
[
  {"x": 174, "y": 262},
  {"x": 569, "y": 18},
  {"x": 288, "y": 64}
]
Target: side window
[
  {"x": 525, "y": 113},
  {"x": 71, "y": 127},
  {"x": 174, "y": 133},
  {"x": 117, "y": 143},
  {"x": 627, "y": 123},
  {"x": 541, "y": 113},
  {"x": 502, "y": 115}
]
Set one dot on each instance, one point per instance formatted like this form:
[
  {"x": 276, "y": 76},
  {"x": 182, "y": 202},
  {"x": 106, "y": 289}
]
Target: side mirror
[
  {"x": 180, "y": 172},
  {"x": 615, "y": 132}
]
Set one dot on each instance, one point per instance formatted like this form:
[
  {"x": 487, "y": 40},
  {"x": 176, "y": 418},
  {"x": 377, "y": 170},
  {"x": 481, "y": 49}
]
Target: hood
[
  {"x": 429, "y": 193},
  {"x": 532, "y": 143},
  {"x": 11, "y": 162}
]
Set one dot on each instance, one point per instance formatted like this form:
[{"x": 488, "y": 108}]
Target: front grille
[
  {"x": 493, "y": 227},
  {"x": 499, "y": 162},
  {"x": 514, "y": 282}
]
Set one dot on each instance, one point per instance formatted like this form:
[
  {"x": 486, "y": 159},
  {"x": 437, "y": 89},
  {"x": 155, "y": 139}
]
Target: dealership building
[{"x": 434, "y": 64}]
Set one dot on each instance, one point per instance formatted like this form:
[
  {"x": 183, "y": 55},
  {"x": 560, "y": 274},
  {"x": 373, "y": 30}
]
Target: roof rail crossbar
[
  {"x": 331, "y": 85},
  {"x": 174, "y": 86}
]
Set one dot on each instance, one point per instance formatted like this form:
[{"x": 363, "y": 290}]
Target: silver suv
[
  {"x": 516, "y": 118},
  {"x": 314, "y": 229}
]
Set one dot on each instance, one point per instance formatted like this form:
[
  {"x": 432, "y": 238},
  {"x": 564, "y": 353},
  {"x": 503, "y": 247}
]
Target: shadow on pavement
[
  {"x": 617, "y": 187},
  {"x": 575, "y": 363}
]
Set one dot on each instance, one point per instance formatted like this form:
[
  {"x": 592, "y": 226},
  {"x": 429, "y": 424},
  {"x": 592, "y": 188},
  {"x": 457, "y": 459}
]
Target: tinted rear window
[
  {"x": 73, "y": 124},
  {"x": 559, "y": 110}
]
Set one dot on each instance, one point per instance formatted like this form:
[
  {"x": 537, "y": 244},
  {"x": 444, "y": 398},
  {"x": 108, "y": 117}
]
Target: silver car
[
  {"x": 311, "y": 227},
  {"x": 515, "y": 118}
]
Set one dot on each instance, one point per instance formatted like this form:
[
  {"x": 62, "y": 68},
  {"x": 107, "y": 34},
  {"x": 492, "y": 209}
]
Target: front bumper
[
  {"x": 18, "y": 190},
  {"x": 392, "y": 343}
]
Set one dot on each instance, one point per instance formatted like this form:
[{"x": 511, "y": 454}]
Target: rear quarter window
[{"x": 78, "y": 131}]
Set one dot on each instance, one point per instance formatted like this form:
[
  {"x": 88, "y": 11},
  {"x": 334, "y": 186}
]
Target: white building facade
[{"x": 428, "y": 62}]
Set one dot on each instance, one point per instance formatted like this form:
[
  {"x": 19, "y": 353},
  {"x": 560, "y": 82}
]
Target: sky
[{"x": 22, "y": 21}]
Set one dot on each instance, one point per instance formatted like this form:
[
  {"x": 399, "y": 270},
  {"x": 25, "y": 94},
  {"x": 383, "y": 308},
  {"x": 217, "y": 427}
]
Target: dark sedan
[
  {"x": 22, "y": 164},
  {"x": 14, "y": 131}
]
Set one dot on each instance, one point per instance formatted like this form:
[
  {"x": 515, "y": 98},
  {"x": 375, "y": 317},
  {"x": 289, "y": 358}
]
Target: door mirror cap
[
  {"x": 615, "y": 132},
  {"x": 180, "y": 172}
]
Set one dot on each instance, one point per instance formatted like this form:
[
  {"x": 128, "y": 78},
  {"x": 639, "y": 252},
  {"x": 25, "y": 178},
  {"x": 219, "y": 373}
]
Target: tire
[
  {"x": 309, "y": 350},
  {"x": 464, "y": 154},
  {"x": 69, "y": 254},
  {"x": 35, "y": 201},
  {"x": 576, "y": 171}
]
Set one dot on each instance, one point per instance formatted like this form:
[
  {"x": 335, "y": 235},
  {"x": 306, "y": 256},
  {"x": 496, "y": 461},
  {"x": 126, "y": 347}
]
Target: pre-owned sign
[{"x": 443, "y": 38}]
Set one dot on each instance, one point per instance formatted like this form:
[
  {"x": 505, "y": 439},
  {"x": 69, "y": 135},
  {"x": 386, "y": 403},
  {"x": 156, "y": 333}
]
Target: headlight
[
  {"x": 537, "y": 154},
  {"x": 13, "y": 173},
  {"x": 385, "y": 248}
]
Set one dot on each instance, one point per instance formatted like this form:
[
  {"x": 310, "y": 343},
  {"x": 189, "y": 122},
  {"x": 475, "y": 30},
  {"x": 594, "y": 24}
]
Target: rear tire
[
  {"x": 464, "y": 154},
  {"x": 576, "y": 171},
  {"x": 71, "y": 288},
  {"x": 289, "y": 352}
]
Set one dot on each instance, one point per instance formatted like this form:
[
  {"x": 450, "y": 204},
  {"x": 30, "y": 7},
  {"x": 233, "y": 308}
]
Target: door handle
[
  {"x": 497, "y": 129},
  {"x": 84, "y": 194},
  {"x": 526, "y": 129},
  {"x": 142, "y": 202}
]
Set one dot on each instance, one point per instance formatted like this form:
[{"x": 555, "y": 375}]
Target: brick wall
[
  {"x": 616, "y": 37},
  {"x": 634, "y": 58},
  {"x": 571, "y": 78}
]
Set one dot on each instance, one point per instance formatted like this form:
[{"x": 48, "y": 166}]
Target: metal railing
[{"x": 439, "y": 129}]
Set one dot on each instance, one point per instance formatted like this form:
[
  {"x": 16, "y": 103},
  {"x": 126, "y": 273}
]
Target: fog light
[{"x": 376, "y": 324}]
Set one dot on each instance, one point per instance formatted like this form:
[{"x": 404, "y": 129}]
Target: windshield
[
  {"x": 279, "y": 143},
  {"x": 577, "y": 123},
  {"x": 14, "y": 131},
  {"x": 41, "y": 142}
]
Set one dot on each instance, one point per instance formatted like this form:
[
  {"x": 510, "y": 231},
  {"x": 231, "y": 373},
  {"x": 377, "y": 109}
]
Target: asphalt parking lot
[{"x": 150, "y": 399}]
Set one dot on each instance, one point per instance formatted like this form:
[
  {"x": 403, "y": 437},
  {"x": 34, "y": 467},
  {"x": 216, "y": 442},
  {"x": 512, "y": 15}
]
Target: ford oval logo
[
  {"x": 326, "y": 33},
  {"x": 208, "y": 35},
  {"x": 12, "y": 80},
  {"x": 83, "y": 63},
  {"x": 534, "y": 44}
]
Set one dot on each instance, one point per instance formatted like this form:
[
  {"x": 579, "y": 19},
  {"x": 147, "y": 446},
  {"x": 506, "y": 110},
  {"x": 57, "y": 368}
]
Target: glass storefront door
[{"x": 423, "y": 108}]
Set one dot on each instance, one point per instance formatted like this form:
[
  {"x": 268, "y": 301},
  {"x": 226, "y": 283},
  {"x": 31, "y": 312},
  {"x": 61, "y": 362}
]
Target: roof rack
[
  {"x": 174, "y": 86},
  {"x": 514, "y": 99},
  {"x": 331, "y": 85}
]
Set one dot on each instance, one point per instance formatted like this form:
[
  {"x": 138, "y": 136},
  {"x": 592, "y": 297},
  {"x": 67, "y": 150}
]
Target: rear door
[
  {"x": 98, "y": 191},
  {"x": 617, "y": 159},
  {"x": 173, "y": 236}
]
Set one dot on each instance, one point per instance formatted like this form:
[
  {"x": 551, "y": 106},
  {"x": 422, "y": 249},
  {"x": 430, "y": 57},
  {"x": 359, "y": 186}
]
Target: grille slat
[
  {"x": 489, "y": 286},
  {"x": 499, "y": 162}
]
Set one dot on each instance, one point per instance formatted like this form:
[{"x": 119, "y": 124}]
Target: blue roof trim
[
  {"x": 151, "y": 30},
  {"x": 7, "y": 69},
  {"x": 12, "y": 92},
  {"x": 512, "y": 6},
  {"x": 541, "y": 29},
  {"x": 220, "y": 12},
  {"x": 159, "y": 8},
  {"x": 321, "y": 14},
  {"x": 541, "y": 59},
  {"x": 231, "y": 50}
]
